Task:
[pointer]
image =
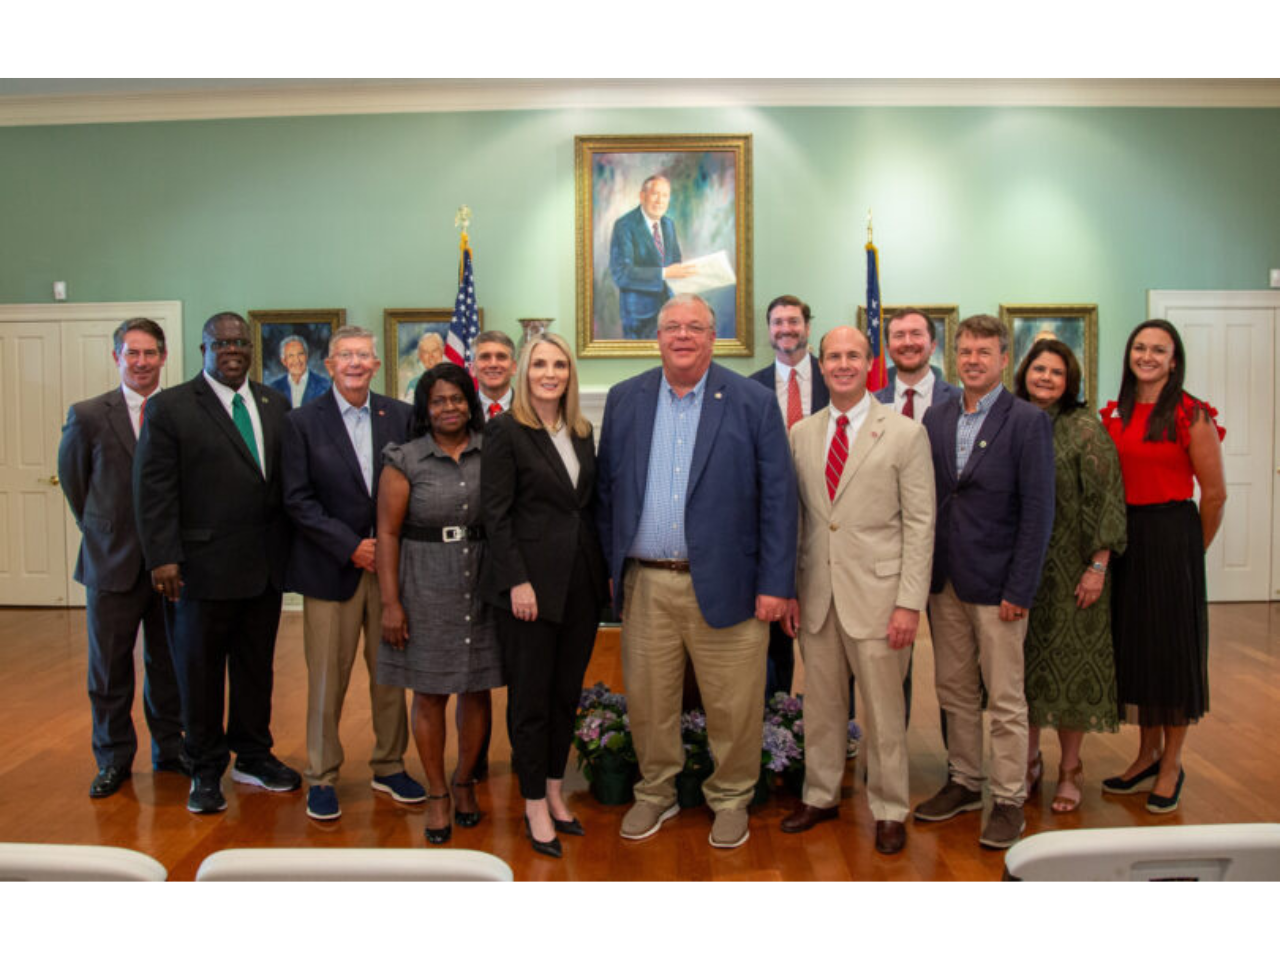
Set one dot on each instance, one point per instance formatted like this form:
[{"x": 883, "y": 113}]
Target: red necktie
[
  {"x": 142, "y": 412},
  {"x": 909, "y": 408},
  {"x": 494, "y": 410},
  {"x": 657, "y": 239},
  {"x": 837, "y": 455},
  {"x": 794, "y": 410}
]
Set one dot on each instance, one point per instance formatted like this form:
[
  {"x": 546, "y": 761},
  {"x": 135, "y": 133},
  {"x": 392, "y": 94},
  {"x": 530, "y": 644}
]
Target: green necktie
[{"x": 240, "y": 414}]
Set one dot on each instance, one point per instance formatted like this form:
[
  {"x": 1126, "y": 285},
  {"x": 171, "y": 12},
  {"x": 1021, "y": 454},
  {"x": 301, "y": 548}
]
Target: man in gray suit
[
  {"x": 95, "y": 467},
  {"x": 915, "y": 384}
]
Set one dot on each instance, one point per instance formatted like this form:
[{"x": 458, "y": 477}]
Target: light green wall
[{"x": 973, "y": 206}]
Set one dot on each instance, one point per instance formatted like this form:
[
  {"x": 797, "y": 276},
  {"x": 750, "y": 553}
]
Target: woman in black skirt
[{"x": 1167, "y": 440}]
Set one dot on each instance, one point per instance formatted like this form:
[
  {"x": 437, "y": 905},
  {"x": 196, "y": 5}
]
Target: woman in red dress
[{"x": 1167, "y": 440}]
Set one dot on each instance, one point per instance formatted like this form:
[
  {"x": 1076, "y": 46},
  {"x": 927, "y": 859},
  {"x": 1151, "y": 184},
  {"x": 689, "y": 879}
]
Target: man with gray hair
[
  {"x": 332, "y": 460},
  {"x": 298, "y": 382},
  {"x": 495, "y": 365},
  {"x": 644, "y": 254}
]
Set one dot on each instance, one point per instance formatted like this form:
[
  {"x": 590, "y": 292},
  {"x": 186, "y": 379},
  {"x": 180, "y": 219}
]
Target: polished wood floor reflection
[{"x": 1233, "y": 775}]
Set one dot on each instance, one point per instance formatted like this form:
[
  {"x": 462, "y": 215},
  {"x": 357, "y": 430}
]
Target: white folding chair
[
  {"x": 1229, "y": 851},
  {"x": 345, "y": 864},
  {"x": 64, "y": 861}
]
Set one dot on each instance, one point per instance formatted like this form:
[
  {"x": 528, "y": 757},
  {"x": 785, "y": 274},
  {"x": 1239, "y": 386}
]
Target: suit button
[{"x": 835, "y": 527}]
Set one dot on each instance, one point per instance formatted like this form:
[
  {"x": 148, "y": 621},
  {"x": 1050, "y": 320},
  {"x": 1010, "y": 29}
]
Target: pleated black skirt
[{"x": 1160, "y": 617}]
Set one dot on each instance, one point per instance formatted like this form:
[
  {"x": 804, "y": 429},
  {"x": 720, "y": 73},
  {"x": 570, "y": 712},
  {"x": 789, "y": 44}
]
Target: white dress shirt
[
  {"x": 804, "y": 378},
  {"x": 134, "y": 401},
  {"x": 923, "y": 397},
  {"x": 224, "y": 394},
  {"x": 856, "y": 414},
  {"x": 298, "y": 390}
]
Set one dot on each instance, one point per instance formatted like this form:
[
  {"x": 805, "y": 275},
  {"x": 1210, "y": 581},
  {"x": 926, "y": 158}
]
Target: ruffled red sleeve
[{"x": 1190, "y": 410}]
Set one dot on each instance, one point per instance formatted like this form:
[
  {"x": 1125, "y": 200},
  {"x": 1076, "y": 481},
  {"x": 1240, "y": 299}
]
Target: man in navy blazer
[
  {"x": 994, "y": 474},
  {"x": 796, "y": 380},
  {"x": 697, "y": 515},
  {"x": 914, "y": 384},
  {"x": 299, "y": 382},
  {"x": 332, "y": 460},
  {"x": 643, "y": 254}
]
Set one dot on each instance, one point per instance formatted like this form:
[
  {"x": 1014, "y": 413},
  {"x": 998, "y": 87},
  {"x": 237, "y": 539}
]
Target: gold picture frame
[
  {"x": 945, "y": 317},
  {"x": 270, "y": 329},
  {"x": 708, "y": 220},
  {"x": 1075, "y": 324},
  {"x": 403, "y": 330}
]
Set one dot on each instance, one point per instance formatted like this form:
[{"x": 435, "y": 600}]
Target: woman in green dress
[{"x": 1070, "y": 670}]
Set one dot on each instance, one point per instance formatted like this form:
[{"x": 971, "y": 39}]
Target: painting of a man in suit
[
  {"x": 299, "y": 382},
  {"x": 644, "y": 252}
]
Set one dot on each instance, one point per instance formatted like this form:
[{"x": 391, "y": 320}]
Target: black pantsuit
[{"x": 541, "y": 530}]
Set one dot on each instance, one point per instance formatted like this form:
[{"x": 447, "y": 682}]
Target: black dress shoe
[
  {"x": 179, "y": 764},
  {"x": 109, "y": 779},
  {"x": 549, "y": 848},
  {"x": 572, "y": 827},
  {"x": 266, "y": 772},
  {"x": 805, "y": 817},
  {"x": 206, "y": 795},
  {"x": 1134, "y": 784},
  {"x": 891, "y": 836}
]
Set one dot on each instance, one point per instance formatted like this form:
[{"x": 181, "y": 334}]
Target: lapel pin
[
  {"x": 382, "y": 413},
  {"x": 874, "y": 435},
  {"x": 982, "y": 444},
  {"x": 719, "y": 396}
]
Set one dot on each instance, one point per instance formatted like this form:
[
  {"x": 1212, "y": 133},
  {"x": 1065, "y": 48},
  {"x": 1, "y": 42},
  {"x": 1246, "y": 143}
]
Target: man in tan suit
[{"x": 866, "y": 545}]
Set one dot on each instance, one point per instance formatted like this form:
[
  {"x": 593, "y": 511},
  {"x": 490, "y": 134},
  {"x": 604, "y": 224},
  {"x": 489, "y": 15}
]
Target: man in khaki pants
[{"x": 866, "y": 544}]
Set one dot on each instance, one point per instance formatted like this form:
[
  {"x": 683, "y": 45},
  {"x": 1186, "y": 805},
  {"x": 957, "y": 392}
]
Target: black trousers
[
  {"x": 112, "y": 619},
  {"x": 214, "y": 640},
  {"x": 545, "y": 663}
]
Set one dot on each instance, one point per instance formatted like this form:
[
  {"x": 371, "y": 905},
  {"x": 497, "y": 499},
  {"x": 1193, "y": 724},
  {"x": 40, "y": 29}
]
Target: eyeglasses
[
  {"x": 346, "y": 356},
  {"x": 689, "y": 329},
  {"x": 239, "y": 342}
]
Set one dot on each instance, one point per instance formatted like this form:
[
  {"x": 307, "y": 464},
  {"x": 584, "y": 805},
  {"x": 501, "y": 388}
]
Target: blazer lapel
[
  {"x": 118, "y": 417},
  {"x": 216, "y": 412},
  {"x": 642, "y": 417},
  {"x": 811, "y": 458},
  {"x": 996, "y": 417},
  {"x": 269, "y": 439},
  {"x": 708, "y": 425},
  {"x": 545, "y": 446},
  {"x": 380, "y": 424},
  {"x": 950, "y": 422}
]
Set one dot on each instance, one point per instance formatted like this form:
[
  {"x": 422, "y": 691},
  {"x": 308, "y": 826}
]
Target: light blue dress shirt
[
  {"x": 356, "y": 420},
  {"x": 969, "y": 425},
  {"x": 660, "y": 535}
]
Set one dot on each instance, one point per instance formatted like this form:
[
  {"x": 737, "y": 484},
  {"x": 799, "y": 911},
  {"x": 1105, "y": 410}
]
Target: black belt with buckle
[
  {"x": 675, "y": 566},
  {"x": 411, "y": 531}
]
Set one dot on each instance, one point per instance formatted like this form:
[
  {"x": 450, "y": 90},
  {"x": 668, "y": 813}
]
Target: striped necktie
[{"x": 837, "y": 455}]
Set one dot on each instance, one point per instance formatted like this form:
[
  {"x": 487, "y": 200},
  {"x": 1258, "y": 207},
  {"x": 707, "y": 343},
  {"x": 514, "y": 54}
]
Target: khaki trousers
[
  {"x": 330, "y": 638},
  {"x": 830, "y": 656},
  {"x": 661, "y": 621},
  {"x": 968, "y": 638}
]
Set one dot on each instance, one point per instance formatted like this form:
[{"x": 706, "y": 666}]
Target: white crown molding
[{"x": 280, "y": 98}]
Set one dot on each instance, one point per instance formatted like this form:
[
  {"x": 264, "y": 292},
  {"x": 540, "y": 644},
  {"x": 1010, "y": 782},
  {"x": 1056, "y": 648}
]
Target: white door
[
  {"x": 1232, "y": 359},
  {"x": 51, "y": 356},
  {"x": 33, "y": 560}
]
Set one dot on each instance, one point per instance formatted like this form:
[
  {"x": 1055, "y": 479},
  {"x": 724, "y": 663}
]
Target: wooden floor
[{"x": 1232, "y": 764}]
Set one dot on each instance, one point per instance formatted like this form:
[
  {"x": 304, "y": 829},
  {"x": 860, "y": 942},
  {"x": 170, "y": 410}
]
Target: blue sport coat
[
  {"x": 741, "y": 506},
  {"x": 821, "y": 397},
  {"x": 943, "y": 392},
  {"x": 324, "y": 493},
  {"x": 637, "y": 268},
  {"x": 317, "y": 385},
  {"x": 993, "y": 520}
]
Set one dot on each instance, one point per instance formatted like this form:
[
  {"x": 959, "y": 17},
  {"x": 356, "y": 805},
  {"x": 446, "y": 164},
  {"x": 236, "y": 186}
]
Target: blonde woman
[{"x": 546, "y": 574}]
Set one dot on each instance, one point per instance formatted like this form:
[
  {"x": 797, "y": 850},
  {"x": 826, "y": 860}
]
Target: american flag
[
  {"x": 878, "y": 375},
  {"x": 465, "y": 325}
]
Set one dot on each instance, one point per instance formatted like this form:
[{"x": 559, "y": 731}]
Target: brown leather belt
[{"x": 675, "y": 566}]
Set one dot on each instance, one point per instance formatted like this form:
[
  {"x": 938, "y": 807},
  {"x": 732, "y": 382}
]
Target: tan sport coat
[{"x": 871, "y": 549}]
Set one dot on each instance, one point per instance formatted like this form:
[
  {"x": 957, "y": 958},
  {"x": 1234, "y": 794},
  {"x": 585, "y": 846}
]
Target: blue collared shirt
[
  {"x": 969, "y": 425},
  {"x": 356, "y": 420},
  {"x": 660, "y": 535}
]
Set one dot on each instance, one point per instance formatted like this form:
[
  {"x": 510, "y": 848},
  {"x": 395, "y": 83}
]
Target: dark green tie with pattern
[{"x": 240, "y": 414}]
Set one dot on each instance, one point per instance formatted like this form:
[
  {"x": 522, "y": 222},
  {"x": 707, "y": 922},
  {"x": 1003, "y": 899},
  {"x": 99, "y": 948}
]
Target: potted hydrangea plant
[
  {"x": 602, "y": 738},
  {"x": 697, "y": 758}
]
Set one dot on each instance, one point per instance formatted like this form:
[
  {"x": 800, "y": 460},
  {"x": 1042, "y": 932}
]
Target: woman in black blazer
[{"x": 546, "y": 573}]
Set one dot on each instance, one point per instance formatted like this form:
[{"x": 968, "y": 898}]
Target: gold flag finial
[{"x": 868, "y": 224}]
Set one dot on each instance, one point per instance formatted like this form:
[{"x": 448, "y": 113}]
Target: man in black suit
[
  {"x": 332, "y": 459},
  {"x": 95, "y": 464},
  {"x": 794, "y": 378},
  {"x": 208, "y": 495}
]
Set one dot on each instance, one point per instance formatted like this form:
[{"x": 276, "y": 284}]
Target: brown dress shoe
[
  {"x": 805, "y": 817},
  {"x": 891, "y": 836}
]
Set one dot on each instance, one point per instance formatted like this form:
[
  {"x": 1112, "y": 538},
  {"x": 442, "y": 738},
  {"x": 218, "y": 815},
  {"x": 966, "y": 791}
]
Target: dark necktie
[
  {"x": 657, "y": 239},
  {"x": 909, "y": 408}
]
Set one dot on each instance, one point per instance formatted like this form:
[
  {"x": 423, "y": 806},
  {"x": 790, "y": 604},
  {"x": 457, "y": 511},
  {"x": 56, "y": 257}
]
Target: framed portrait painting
[
  {"x": 1075, "y": 324},
  {"x": 945, "y": 317},
  {"x": 289, "y": 350},
  {"x": 659, "y": 216},
  {"x": 413, "y": 341}
]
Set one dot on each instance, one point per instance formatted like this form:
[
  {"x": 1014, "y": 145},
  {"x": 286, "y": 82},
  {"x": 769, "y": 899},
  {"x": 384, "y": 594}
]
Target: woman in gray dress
[{"x": 438, "y": 636}]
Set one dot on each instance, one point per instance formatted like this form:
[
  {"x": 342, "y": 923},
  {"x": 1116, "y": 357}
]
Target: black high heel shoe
[
  {"x": 467, "y": 818},
  {"x": 550, "y": 848},
  {"x": 571, "y": 827},
  {"x": 1134, "y": 784},
  {"x": 1159, "y": 804},
  {"x": 438, "y": 835}
]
